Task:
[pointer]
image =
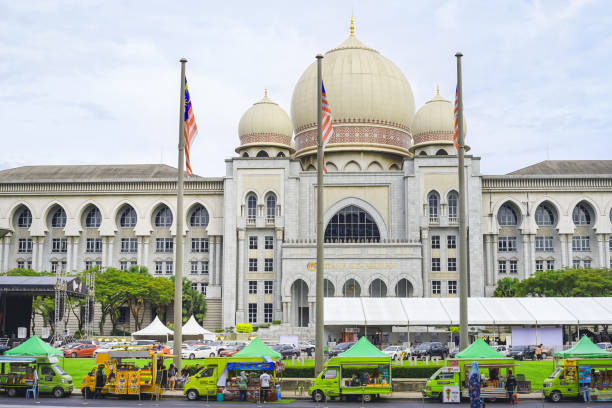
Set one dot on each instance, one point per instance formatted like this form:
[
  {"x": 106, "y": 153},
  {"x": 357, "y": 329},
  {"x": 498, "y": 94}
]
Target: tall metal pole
[
  {"x": 319, "y": 285},
  {"x": 463, "y": 272},
  {"x": 178, "y": 273}
]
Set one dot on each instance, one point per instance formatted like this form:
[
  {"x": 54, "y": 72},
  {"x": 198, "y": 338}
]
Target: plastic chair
[{"x": 32, "y": 390}]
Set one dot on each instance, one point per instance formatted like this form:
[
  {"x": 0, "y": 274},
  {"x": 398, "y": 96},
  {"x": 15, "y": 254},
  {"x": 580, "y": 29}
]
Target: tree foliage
[
  {"x": 564, "y": 283},
  {"x": 194, "y": 302}
]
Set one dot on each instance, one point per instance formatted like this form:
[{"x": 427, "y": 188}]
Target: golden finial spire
[
  {"x": 352, "y": 25},
  {"x": 265, "y": 92}
]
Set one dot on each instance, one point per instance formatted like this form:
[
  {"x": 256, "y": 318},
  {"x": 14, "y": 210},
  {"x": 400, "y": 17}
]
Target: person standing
[
  {"x": 35, "y": 378},
  {"x": 510, "y": 386},
  {"x": 538, "y": 352},
  {"x": 264, "y": 383},
  {"x": 243, "y": 385},
  {"x": 99, "y": 382},
  {"x": 172, "y": 377},
  {"x": 586, "y": 392}
]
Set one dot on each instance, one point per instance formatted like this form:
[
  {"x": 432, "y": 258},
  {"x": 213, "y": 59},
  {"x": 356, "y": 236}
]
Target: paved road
[{"x": 395, "y": 403}]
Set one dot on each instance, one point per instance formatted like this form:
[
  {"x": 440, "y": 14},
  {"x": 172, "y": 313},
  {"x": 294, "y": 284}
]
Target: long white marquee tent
[{"x": 392, "y": 311}]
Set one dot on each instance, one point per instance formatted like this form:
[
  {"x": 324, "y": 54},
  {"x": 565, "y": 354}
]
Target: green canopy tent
[
  {"x": 584, "y": 348},
  {"x": 257, "y": 348},
  {"x": 363, "y": 348},
  {"x": 479, "y": 349},
  {"x": 34, "y": 346}
]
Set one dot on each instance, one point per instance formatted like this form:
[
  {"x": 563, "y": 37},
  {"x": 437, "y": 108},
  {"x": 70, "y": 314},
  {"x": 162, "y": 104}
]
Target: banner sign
[{"x": 250, "y": 366}]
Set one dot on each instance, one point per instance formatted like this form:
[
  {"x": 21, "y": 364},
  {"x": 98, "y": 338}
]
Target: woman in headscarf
[{"x": 474, "y": 386}]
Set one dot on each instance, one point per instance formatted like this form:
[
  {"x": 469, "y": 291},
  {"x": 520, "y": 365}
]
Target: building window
[
  {"x": 129, "y": 245},
  {"x": 269, "y": 242},
  {"x": 586, "y": 263},
  {"x": 199, "y": 217},
  {"x": 25, "y": 219},
  {"x": 581, "y": 244},
  {"x": 93, "y": 245},
  {"x": 252, "y": 312},
  {"x": 452, "y": 264},
  {"x": 252, "y": 264},
  {"x": 123, "y": 265},
  {"x": 267, "y": 312},
  {"x": 88, "y": 265},
  {"x": 159, "y": 267},
  {"x": 581, "y": 215},
  {"x": 128, "y": 218},
  {"x": 328, "y": 288},
  {"x": 550, "y": 265},
  {"x": 352, "y": 224},
  {"x": 163, "y": 217},
  {"x": 199, "y": 244},
  {"x": 544, "y": 244},
  {"x": 93, "y": 219},
  {"x": 576, "y": 263},
  {"x": 204, "y": 267},
  {"x": 59, "y": 245},
  {"x": 268, "y": 265},
  {"x": 452, "y": 287},
  {"x": 506, "y": 244},
  {"x": 252, "y": 287},
  {"x": 270, "y": 208},
  {"x": 253, "y": 242},
  {"x": 501, "y": 266},
  {"x": 251, "y": 207},
  {"x": 507, "y": 216},
  {"x": 545, "y": 216},
  {"x": 351, "y": 288},
  {"x": 20, "y": 264},
  {"x": 378, "y": 288},
  {"x": 435, "y": 241},
  {"x": 59, "y": 218},
  {"x": 513, "y": 266},
  {"x": 54, "y": 265},
  {"x": 194, "y": 267},
  {"x": 436, "y": 287},
  {"x": 124, "y": 315},
  {"x": 164, "y": 245},
  {"x": 435, "y": 264},
  {"x": 268, "y": 285},
  {"x": 539, "y": 265},
  {"x": 610, "y": 243},
  {"x": 169, "y": 268},
  {"x": 24, "y": 245},
  {"x": 451, "y": 242},
  {"x": 194, "y": 286},
  {"x": 433, "y": 202},
  {"x": 453, "y": 204},
  {"x": 203, "y": 288}
]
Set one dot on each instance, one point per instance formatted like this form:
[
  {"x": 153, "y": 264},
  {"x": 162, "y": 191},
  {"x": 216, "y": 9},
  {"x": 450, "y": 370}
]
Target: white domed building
[{"x": 390, "y": 209}]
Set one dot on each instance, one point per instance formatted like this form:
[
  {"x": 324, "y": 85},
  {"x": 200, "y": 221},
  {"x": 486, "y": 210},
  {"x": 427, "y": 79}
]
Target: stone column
[
  {"x": 426, "y": 263},
  {"x": 41, "y": 240},
  {"x": 75, "y": 253},
  {"x": 212, "y": 278},
  {"x": 311, "y": 314},
  {"x": 607, "y": 250},
  {"x": 563, "y": 240},
  {"x": 600, "y": 250},
  {"x": 104, "y": 251},
  {"x": 494, "y": 250},
  {"x": 241, "y": 277},
  {"x": 6, "y": 243},
  {"x": 110, "y": 251},
  {"x": 277, "y": 274},
  {"x": 570, "y": 255},
  {"x": 35, "y": 254},
  {"x": 69, "y": 254},
  {"x": 145, "y": 253},
  {"x": 285, "y": 312},
  {"x": 139, "y": 251},
  {"x": 488, "y": 255},
  {"x": 218, "y": 260},
  {"x": 525, "y": 256},
  {"x": 532, "y": 257}
]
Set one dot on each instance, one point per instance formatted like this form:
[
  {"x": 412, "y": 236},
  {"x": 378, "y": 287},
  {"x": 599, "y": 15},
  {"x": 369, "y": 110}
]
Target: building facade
[{"x": 390, "y": 206}]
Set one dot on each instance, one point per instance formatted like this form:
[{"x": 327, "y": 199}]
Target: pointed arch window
[
  {"x": 93, "y": 219},
  {"x": 453, "y": 207},
  {"x": 507, "y": 216},
  {"x": 58, "y": 220},
  {"x": 163, "y": 217},
  {"x": 351, "y": 288},
  {"x": 328, "y": 288},
  {"x": 403, "y": 288},
  {"x": 25, "y": 219},
  {"x": 352, "y": 224},
  {"x": 270, "y": 207},
  {"x": 378, "y": 288},
  {"x": 128, "y": 218},
  {"x": 581, "y": 215},
  {"x": 199, "y": 217},
  {"x": 433, "y": 201},
  {"x": 251, "y": 206},
  {"x": 545, "y": 215}
]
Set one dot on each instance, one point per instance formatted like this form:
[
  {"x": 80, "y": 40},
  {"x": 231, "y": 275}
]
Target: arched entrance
[{"x": 299, "y": 303}]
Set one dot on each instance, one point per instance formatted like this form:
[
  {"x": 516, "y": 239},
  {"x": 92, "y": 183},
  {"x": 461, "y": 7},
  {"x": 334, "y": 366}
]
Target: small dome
[
  {"x": 265, "y": 123},
  {"x": 434, "y": 123}
]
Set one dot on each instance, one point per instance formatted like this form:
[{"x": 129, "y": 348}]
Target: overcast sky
[{"x": 97, "y": 82}]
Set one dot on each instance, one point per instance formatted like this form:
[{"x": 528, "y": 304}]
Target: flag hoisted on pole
[
  {"x": 326, "y": 118},
  {"x": 190, "y": 129}
]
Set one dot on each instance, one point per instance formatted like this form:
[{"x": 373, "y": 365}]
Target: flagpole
[
  {"x": 178, "y": 273},
  {"x": 463, "y": 272},
  {"x": 319, "y": 278}
]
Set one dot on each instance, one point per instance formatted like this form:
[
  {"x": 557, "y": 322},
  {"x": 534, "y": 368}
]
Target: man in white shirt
[{"x": 264, "y": 382}]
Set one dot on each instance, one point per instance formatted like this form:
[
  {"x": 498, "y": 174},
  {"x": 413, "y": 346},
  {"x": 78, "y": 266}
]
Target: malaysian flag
[
  {"x": 190, "y": 129},
  {"x": 326, "y": 119},
  {"x": 456, "y": 134}
]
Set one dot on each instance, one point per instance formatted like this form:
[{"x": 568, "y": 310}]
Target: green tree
[
  {"x": 568, "y": 282},
  {"x": 110, "y": 295},
  {"x": 506, "y": 287},
  {"x": 194, "y": 302}
]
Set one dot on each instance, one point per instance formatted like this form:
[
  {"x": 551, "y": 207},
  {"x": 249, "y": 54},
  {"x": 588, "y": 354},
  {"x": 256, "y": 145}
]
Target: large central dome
[{"x": 371, "y": 102}]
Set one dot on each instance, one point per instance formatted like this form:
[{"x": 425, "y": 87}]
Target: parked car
[
  {"x": 201, "y": 351},
  {"x": 339, "y": 348},
  {"x": 81, "y": 350},
  {"x": 522, "y": 352},
  {"x": 231, "y": 350},
  {"x": 431, "y": 349},
  {"x": 606, "y": 346},
  {"x": 502, "y": 349},
  {"x": 307, "y": 348},
  {"x": 395, "y": 352},
  {"x": 286, "y": 350}
]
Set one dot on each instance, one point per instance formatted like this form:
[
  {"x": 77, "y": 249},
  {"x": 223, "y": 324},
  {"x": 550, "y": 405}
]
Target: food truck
[
  {"x": 453, "y": 377},
  {"x": 124, "y": 378},
  {"x": 219, "y": 375},
  {"x": 17, "y": 375},
  {"x": 362, "y": 371},
  {"x": 565, "y": 381}
]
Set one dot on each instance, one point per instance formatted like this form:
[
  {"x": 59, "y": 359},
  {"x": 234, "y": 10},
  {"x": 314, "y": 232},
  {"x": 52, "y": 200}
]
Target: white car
[
  {"x": 395, "y": 352},
  {"x": 605, "y": 346},
  {"x": 199, "y": 352}
]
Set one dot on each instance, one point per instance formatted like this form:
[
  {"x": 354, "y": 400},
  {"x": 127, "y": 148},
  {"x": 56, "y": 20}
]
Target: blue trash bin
[{"x": 278, "y": 393}]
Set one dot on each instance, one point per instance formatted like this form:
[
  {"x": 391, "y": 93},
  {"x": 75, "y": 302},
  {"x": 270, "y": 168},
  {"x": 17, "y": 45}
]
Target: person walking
[
  {"x": 538, "y": 352},
  {"x": 172, "y": 377},
  {"x": 243, "y": 385},
  {"x": 510, "y": 386},
  {"x": 264, "y": 384},
  {"x": 586, "y": 392}
]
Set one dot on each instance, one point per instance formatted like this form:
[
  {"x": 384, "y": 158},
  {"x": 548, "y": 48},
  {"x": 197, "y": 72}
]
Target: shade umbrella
[{"x": 34, "y": 346}]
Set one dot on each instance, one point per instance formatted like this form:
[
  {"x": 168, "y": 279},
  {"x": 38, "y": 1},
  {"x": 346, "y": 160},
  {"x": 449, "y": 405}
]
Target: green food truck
[
  {"x": 18, "y": 365},
  {"x": 585, "y": 363},
  {"x": 361, "y": 371},
  {"x": 450, "y": 383}
]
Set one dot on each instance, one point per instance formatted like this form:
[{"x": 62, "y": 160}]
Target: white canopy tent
[
  {"x": 391, "y": 311},
  {"x": 156, "y": 330},
  {"x": 193, "y": 331}
]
